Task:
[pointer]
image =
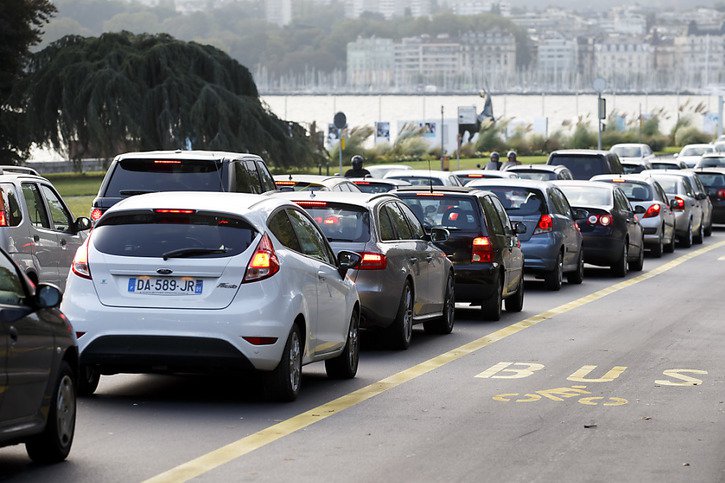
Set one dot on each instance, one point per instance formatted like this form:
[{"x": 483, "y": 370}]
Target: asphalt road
[{"x": 612, "y": 380}]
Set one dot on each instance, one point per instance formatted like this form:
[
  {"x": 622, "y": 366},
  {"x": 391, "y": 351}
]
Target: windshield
[
  {"x": 154, "y": 235},
  {"x": 695, "y": 151},
  {"x": 520, "y": 201},
  {"x": 342, "y": 223},
  {"x": 712, "y": 180},
  {"x": 665, "y": 166},
  {"x": 670, "y": 184},
  {"x": 373, "y": 187},
  {"x": 448, "y": 211},
  {"x": 536, "y": 175},
  {"x": 420, "y": 180},
  {"x": 581, "y": 166},
  {"x": 712, "y": 162},
  {"x": 628, "y": 151},
  {"x": 138, "y": 176},
  {"x": 635, "y": 191},
  {"x": 587, "y": 195}
]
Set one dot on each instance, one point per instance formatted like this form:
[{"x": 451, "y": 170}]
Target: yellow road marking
[{"x": 205, "y": 463}]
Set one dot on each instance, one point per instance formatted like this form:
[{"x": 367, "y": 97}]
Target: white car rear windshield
[{"x": 174, "y": 235}]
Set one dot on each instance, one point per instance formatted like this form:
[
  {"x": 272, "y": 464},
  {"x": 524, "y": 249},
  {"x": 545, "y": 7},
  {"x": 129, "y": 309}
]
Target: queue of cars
[{"x": 202, "y": 262}]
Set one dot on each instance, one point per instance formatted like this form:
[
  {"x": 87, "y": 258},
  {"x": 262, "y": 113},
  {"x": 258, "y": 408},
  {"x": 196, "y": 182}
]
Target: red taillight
[
  {"x": 174, "y": 211},
  {"x": 604, "y": 220},
  {"x": 721, "y": 194},
  {"x": 3, "y": 219},
  {"x": 96, "y": 213},
  {"x": 361, "y": 183},
  {"x": 545, "y": 225},
  {"x": 428, "y": 193},
  {"x": 372, "y": 261},
  {"x": 79, "y": 334},
  {"x": 652, "y": 211},
  {"x": 80, "y": 262},
  {"x": 264, "y": 262},
  {"x": 482, "y": 250},
  {"x": 312, "y": 204},
  {"x": 260, "y": 340},
  {"x": 167, "y": 161},
  {"x": 332, "y": 220},
  {"x": 679, "y": 204}
]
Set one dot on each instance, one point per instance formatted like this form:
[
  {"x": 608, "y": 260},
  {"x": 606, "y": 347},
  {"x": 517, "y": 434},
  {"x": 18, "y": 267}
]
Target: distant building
[
  {"x": 557, "y": 60},
  {"x": 700, "y": 58},
  {"x": 370, "y": 63},
  {"x": 425, "y": 60},
  {"x": 489, "y": 57},
  {"x": 388, "y": 8},
  {"x": 626, "y": 62},
  {"x": 278, "y": 12}
]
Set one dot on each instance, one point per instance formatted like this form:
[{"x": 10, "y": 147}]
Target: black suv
[
  {"x": 148, "y": 172},
  {"x": 483, "y": 244},
  {"x": 585, "y": 163}
]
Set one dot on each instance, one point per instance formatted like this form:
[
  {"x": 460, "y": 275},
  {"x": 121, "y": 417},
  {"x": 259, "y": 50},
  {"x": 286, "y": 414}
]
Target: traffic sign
[{"x": 340, "y": 120}]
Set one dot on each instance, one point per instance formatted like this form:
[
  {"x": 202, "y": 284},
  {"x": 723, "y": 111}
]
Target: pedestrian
[
  {"x": 495, "y": 163},
  {"x": 512, "y": 161},
  {"x": 357, "y": 170}
]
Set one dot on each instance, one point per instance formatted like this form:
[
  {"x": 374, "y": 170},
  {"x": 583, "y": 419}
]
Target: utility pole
[{"x": 443, "y": 152}]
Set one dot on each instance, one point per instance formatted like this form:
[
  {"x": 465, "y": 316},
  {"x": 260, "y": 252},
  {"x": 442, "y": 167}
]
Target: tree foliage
[
  {"x": 21, "y": 23},
  {"x": 96, "y": 97}
]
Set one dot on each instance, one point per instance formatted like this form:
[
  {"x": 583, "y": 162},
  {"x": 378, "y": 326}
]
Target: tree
[
  {"x": 20, "y": 29},
  {"x": 96, "y": 97}
]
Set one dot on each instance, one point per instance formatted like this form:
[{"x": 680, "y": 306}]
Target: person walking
[
  {"x": 357, "y": 170},
  {"x": 512, "y": 161},
  {"x": 495, "y": 163}
]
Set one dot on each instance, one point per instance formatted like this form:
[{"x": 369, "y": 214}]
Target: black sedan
[
  {"x": 612, "y": 233},
  {"x": 39, "y": 367},
  {"x": 714, "y": 181},
  {"x": 483, "y": 244}
]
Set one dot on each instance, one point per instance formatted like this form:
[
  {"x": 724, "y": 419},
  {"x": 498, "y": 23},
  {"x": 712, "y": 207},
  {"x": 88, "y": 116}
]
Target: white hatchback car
[{"x": 202, "y": 282}]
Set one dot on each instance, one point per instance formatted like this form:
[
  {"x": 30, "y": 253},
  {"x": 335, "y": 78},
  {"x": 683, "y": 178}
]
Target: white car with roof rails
[
  {"x": 313, "y": 182},
  {"x": 425, "y": 177},
  {"x": 183, "y": 282},
  {"x": 692, "y": 153}
]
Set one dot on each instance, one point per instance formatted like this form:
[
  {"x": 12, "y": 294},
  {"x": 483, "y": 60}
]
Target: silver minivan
[{"x": 36, "y": 227}]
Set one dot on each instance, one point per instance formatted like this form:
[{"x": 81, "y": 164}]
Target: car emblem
[{"x": 164, "y": 271}]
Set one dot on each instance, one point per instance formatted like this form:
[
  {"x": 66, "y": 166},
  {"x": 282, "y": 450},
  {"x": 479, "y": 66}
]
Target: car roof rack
[{"x": 18, "y": 169}]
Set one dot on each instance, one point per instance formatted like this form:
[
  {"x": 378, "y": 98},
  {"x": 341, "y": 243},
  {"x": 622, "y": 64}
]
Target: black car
[
  {"x": 612, "y": 233},
  {"x": 39, "y": 367},
  {"x": 378, "y": 185},
  {"x": 541, "y": 172},
  {"x": 714, "y": 181},
  {"x": 148, "y": 172},
  {"x": 585, "y": 163},
  {"x": 483, "y": 244}
]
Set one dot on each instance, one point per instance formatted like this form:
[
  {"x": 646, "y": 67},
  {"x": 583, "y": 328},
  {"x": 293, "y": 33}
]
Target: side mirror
[
  {"x": 519, "y": 228},
  {"x": 347, "y": 260},
  {"x": 47, "y": 296},
  {"x": 639, "y": 209},
  {"x": 439, "y": 234},
  {"x": 82, "y": 224},
  {"x": 673, "y": 204},
  {"x": 700, "y": 196},
  {"x": 677, "y": 155},
  {"x": 580, "y": 214}
]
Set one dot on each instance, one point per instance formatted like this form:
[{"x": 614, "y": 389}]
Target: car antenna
[{"x": 430, "y": 177}]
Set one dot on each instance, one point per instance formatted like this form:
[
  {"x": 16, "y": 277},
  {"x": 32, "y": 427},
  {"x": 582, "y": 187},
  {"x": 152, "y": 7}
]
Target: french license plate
[{"x": 165, "y": 286}]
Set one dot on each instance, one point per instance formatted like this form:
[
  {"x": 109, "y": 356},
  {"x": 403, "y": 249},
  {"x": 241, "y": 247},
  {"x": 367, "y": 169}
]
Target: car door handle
[
  {"x": 429, "y": 259},
  {"x": 36, "y": 238},
  {"x": 321, "y": 276},
  {"x": 13, "y": 332},
  {"x": 63, "y": 242},
  {"x": 413, "y": 260}
]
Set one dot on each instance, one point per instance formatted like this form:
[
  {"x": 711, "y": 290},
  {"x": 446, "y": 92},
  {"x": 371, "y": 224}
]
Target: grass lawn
[{"x": 79, "y": 205}]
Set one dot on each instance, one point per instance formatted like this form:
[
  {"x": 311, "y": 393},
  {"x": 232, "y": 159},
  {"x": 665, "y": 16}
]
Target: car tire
[
  {"x": 88, "y": 379},
  {"x": 577, "y": 276},
  {"x": 638, "y": 265},
  {"x": 619, "y": 268},
  {"x": 554, "y": 278},
  {"x": 686, "y": 241},
  {"x": 283, "y": 384},
  {"x": 708, "y": 229},
  {"x": 54, "y": 443},
  {"x": 659, "y": 248},
  {"x": 400, "y": 332},
  {"x": 700, "y": 237},
  {"x": 491, "y": 308},
  {"x": 345, "y": 365},
  {"x": 515, "y": 302},
  {"x": 670, "y": 247},
  {"x": 444, "y": 325}
]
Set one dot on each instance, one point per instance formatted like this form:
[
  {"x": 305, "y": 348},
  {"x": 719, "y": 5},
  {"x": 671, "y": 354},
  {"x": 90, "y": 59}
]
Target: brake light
[
  {"x": 482, "y": 250},
  {"x": 545, "y": 225},
  {"x": 332, "y": 220},
  {"x": 80, "y": 334},
  {"x": 679, "y": 203},
  {"x": 475, "y": 176},
  {"x": 312, "y": 204},
  {"x": 372, "y": 261},
  {"x": 80, "y": 262},
  {"x": 174, "y": 211},
  {"x": 721, "y": 194},
  {"x": 428, "y": 193},
  {"x": 3, "y": 219},
  {"x": 167, "y": 161},
  {"x": 285, "y": 183},
  {"x": 604, "y": 220},
  {"x": 264, "y": 262},
  {"x": 96, "y": 213},
  {"x": 362, "y": 183},
  {"x": 652, "y": 211}
]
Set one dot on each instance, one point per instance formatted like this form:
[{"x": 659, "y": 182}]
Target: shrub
[{"x": 691, "y": 135}]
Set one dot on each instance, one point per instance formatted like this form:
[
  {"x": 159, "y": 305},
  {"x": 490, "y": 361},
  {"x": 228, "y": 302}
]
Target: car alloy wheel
[
  {"x": 619, "y": 269},
  {"x": 345, "y": 365},
  {"x": 284, "y": 383},
  {"x": 444, "y": 324},
  {"x": 88, "y": 379},
  {"x": 638, "y": 265},
  {"x": 660, "y": 246},
  {"x": 554, "y": 279},
  {"x": 515, "y": 302},
  {"x": 491, "y": 309},
  {"x": 700, "y": 237},
  {"x": 686, "y": 242},
  {"x": 577, "y": 276}
]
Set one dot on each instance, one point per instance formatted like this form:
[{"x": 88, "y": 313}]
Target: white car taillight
[
  {"x": 80, "y": 262},
  {"x": 264, "y": 262}
]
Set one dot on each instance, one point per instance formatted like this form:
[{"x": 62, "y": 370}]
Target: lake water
[{"x": 543, "y": 113}]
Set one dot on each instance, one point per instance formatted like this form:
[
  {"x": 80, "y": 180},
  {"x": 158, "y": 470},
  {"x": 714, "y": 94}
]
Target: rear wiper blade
[
  {"x": 189, "y": 252},
  {"x": 135, "y": 192}
]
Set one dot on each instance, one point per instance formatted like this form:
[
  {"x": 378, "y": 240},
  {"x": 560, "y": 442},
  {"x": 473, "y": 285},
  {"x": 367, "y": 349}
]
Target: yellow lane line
[{"x": 241, "y": 447}]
